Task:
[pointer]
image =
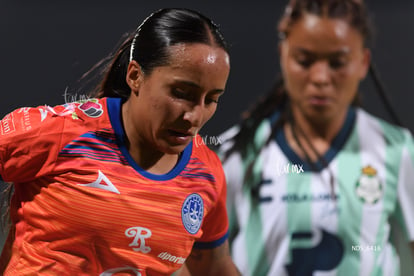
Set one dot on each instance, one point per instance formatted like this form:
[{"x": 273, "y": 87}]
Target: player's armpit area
[{"x": 216, "y": 261}]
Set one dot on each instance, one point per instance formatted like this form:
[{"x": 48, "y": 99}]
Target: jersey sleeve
[
  {"x": 215, "y": 224},
  {"x": 233, "y": 169},
  {"x": 405, "y": 208},
  {"x": 236, "y": 159},
  {"x": 28, "y": 138}
]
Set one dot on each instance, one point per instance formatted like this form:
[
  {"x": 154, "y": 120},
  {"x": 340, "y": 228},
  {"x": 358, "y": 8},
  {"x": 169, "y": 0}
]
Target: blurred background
[{"x": 46, "y": 46}]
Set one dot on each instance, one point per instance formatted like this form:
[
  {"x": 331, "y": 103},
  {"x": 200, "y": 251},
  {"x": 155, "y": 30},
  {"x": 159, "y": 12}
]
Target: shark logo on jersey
[
  {"x": 192, "y": 213},
  {"x": 369, "y": 187},
  {"x": 69, "y": 108},
  {"x": 92, "y": 108}
]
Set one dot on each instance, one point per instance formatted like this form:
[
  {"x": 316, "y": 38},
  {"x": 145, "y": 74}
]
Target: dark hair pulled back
[{"x": 149, "y": 45}]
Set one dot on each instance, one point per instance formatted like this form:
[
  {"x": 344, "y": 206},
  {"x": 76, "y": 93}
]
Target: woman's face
[
  {"x": 322, "y": 61},
  {"x": 173, "y": 102}
]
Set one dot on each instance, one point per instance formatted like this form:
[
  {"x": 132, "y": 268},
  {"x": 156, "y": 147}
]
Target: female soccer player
[
  {"x": 314, "y": 181},
  {"x": 114, "y": 184}
]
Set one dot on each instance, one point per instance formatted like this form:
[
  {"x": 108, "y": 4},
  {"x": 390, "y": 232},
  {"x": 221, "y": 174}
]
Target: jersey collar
[
  {"x": 114, "y": 110},
  {"x": 336, "y": 145}
]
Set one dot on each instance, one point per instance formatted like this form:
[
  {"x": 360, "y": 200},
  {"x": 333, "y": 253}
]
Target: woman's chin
[{"x": 170, "y": 148}]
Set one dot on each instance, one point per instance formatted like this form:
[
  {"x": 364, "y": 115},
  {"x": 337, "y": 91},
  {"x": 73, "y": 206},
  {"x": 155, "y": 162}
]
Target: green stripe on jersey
[
  {"x": 257, "y": 256},
  {"x": 349, "y": 221}
]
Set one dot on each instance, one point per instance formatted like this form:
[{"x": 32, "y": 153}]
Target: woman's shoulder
[
  {"x": 254, "y": 135},
  {"x": 203, "y": 147},
  {"x": 392, "y": 133}
]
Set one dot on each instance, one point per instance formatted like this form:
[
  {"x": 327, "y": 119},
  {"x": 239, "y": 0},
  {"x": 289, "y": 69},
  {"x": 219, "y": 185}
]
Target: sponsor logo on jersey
[
  {"x": 43, "y": 114},
  {"x": 165, "y": 256},
  {"x": 25, "y": 120},
  {"x": 92, "y": 108},
  {"x": 57, "y": 111},
  {"x": 315, "y": 252},
  {"x": 102, "y": 182},
  {"x": 139, "y": 235},
  {"x": 298, "y": 198},
  {"x": 68, "y": 109},
  {"x": 369, "y": 187},
  {"x": 192, "y": 213},
  {"x": 7, "y": 124}
]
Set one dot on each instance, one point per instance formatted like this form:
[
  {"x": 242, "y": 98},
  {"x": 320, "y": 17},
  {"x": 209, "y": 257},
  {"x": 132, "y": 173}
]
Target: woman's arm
[{"x": 216, "y": 261}]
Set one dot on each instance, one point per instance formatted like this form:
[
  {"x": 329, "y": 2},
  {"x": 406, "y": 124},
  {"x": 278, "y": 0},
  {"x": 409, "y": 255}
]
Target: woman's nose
[
  {"x": 194, "y": 115},
  {"x": 320, "y": 73}
]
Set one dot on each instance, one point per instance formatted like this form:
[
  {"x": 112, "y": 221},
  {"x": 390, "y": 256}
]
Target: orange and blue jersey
[{"x": 82, "y": 206}]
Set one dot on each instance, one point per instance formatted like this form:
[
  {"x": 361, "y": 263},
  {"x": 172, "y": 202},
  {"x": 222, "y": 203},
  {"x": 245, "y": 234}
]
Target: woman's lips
[
  {"x": 319, "y": 100},
  {"x": 180, "y": 137}
]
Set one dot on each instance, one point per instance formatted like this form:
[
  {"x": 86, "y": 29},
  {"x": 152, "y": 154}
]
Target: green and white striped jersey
[{"x": 285, "y": 220}]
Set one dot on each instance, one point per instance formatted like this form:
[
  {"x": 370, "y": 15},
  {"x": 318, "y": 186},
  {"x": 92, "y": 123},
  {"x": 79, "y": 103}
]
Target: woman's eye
[
  {"x": 211, "y": 100},
  {"x": 335, "y": 64},
  {"x": 180, "y": 94},
  {"x": 304, "y": 62}
]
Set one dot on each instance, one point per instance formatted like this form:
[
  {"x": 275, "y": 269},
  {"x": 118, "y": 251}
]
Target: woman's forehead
[
  {"x": 184, "y": 54},
  {"x": 324, "y": 33}
]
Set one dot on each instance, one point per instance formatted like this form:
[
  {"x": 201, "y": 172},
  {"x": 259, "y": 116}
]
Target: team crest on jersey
[
  {"x": 92, "y": 108},
  {"x": 192, "y": 213},
  {"x": 369, "y": 187}
]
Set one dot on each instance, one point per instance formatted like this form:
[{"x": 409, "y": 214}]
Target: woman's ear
[
  {"x": 365, "y": 63},
  {"x": 134, "y": 76},
  {"x": 279, "y": 48}
]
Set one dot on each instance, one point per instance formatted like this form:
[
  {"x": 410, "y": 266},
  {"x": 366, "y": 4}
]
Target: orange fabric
[{"x": 81, "y": 208}]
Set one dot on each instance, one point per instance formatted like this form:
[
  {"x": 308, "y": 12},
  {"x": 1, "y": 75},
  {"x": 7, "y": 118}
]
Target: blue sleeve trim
[{"x": 212, "y": 244}]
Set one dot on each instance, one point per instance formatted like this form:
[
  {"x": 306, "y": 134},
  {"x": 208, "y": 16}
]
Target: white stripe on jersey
[{"x": 372, "y": 153}]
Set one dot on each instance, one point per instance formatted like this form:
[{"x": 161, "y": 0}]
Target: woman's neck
[
  {"x": 145, "y": 155},
  {"x": 152, "y": 161},
  {"x": 312, "y": 135}
]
